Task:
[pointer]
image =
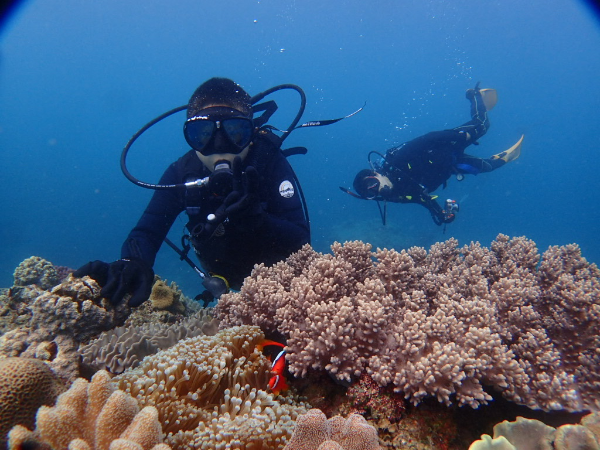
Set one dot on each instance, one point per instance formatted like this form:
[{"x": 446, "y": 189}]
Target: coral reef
[
  {"x": 92, "y": 416},
  {"x": 164, "y": 296},
  {"x": 59, "y": 319},
  {"x": 124, "y": 347},
  {"x": 31, "y": 278},
  {"x": 38, "y": 271},
  {"x": 442, "y": 323},
  {"x": 399, "y": 425},
  {"x": 147, "y": 313},
  {"x": 14, "y": 306},
  {"x": 314, "y": 431},
  {"x": 530, "y": 434},
  {"x": 369, "y": 398},
  {"x": 25, "y": 385},
  {"x": 63, "y": 272},
  {"x": 209, "y": 393}
]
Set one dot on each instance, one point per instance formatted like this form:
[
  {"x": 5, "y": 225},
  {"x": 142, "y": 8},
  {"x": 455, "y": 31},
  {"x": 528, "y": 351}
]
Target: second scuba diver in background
[{"x": 410, "y": 172}]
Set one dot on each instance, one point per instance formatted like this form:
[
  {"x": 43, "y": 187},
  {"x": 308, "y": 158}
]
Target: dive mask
[
  {"x": 200, "y": 130},
  {"x": 371, "y": 187}
]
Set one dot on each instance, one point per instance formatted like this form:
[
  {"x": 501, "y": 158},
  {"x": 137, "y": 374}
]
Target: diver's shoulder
[{"x": 266, "y": 138}]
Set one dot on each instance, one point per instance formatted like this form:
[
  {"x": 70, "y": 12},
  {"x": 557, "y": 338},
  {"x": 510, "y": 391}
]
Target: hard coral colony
[
  {"x": 447, "y": 323},
  {"x": 443, "y": 323}
]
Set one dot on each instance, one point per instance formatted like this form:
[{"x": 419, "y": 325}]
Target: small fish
[{"x": 277, "y": 382}]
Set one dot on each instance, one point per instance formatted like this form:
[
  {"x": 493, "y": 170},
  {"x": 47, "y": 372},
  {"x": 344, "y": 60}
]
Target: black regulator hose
[
  {"x": 253, "y": 100},
  {"x": 258, "y": 97},
  {"x": 130, "y": 177}
]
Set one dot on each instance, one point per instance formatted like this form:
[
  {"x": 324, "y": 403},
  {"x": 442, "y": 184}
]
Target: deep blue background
[{"x": 78, "y": 78}]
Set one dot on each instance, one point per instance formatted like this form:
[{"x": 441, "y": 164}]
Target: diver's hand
[
  {"x": 243, "y": 203},
  {"x": 242, "y": 206},
  {"x": 449, "y": 217},
  {"x": 126, "y": 276}
]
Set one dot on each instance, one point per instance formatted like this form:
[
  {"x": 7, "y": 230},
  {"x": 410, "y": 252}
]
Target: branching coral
[
  {"x": 441, "y": 323},
  {"x": 92, "y": 416},
  {"x": 209, "y": 393}
]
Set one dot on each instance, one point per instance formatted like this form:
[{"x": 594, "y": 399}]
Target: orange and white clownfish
[{"x": 277, "y": 382}]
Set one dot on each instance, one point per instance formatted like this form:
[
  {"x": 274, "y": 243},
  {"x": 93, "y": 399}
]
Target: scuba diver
[
  {"x": 410, "y": 172},
  {"x": 243, "y": 200}
]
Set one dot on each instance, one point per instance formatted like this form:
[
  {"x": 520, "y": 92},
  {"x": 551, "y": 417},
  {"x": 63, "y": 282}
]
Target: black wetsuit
[
  {"x": 233, "y": 249},
  {"x": 420, "y": 166}
]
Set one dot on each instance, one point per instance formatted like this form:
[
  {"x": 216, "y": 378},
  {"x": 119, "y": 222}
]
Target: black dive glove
[
  {"x": 126, "y": 276},
  {"x": 242, "y": 206},
  {"x": 443, "y": 217}
]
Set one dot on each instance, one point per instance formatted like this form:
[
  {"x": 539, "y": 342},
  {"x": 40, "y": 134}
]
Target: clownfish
[{"x": 277, "y": 382}]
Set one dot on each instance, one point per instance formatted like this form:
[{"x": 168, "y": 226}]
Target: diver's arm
[
  {"x": 438, "y": 214},
  {"x": 419, "y": 196},
  {"x": 145, "y": 239}
]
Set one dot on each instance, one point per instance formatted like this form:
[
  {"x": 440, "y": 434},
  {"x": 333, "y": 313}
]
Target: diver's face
[
  {"x": 210, "y": 161},
  {"x": 371, "y": 187},
  {"x": 375, "y": 184},
  {"x": 219, "y": 133}
]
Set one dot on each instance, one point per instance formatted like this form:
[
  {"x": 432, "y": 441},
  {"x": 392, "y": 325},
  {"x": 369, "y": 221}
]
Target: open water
[{"x": 79, "y": 78}]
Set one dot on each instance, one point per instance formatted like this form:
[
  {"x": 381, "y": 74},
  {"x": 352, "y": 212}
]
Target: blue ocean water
[{"x": 78, "y": 79}]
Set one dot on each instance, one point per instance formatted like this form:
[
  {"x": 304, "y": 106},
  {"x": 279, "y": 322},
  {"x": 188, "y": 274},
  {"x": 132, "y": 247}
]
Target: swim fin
[
  {"x": 512, "y": 153},
  {"x": 489, "y": 97}
]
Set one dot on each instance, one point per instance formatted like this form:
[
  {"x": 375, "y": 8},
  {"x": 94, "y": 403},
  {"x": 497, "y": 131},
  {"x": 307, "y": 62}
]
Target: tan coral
[
  {"x": 162, "y": 296},
  {"x": 314, "y": 431},
  {"x": 442, "y": 323},
  {"x": 526, "y": 433},
  {"x": 37, "y": 271},
  {"x": 530, "y": 434},
  {"x": 25, "y": 385},
  {"x": 487, "y": 443},
  {"x": 93, "y": 416},
  {"x": 211, "y": 389},
  {"x": 569, "y": 437}
]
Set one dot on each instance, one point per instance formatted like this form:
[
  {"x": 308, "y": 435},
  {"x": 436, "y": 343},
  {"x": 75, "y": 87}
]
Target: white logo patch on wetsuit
[{"x": 286, "y": 189}]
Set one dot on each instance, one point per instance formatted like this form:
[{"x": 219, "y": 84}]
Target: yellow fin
[
  {"x": 512, "y": 153},
  {"x": 489, "y": 97}
]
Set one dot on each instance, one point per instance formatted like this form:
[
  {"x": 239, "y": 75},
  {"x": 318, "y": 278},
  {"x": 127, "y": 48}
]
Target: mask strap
[{"x": 269, "y": 109}]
